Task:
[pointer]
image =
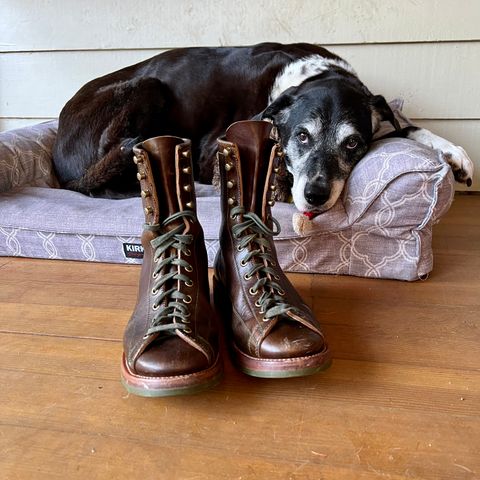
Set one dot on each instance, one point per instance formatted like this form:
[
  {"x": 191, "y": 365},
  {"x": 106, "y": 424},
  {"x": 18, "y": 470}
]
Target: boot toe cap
[
  {"x": 290, "y": 340},
  {"x": 170, "y": 357}
]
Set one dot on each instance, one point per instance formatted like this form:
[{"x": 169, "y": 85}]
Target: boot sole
[
  {"x": 267, "y": 367},
  {"x": 171, "y": 386}
]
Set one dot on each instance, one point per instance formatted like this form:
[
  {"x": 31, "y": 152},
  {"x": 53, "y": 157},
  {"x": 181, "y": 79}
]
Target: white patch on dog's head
[
  {"x": 313, "y": 127},
  {"x": 299, "y": 70},
  {"x": 343, "y": 131}
]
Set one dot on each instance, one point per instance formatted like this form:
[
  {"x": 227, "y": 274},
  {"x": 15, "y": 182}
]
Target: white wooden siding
[{"x": 427, "y": 52}]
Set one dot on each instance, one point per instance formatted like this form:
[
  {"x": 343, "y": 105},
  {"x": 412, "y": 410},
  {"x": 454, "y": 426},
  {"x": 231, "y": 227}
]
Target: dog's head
[{"x": 325, "y": 126}]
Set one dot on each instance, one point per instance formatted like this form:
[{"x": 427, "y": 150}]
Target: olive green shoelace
[
  {"x": 251, "y": 232},
  {"x": 171, "y": 305}
]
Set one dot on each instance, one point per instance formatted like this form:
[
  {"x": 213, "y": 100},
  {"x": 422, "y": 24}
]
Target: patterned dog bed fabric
[{"x": 381, "y": 227}]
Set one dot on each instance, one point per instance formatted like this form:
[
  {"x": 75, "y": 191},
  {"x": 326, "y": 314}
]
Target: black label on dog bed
[{"x": 133, "y": 250}]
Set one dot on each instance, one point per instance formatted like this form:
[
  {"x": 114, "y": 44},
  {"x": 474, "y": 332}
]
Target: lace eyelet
[
  {"x": 281, "y": 293},
  {"x": 155, "y": 306},
  {"x": 276, "y": 277},
  {"x": 247, "y": 277},
  {"x": 154, "y": 275},
  {"x": 184, "y": 320},
  {"x": 240, "y": 248},
  {"x": 243, "y": 263},
  {"x": 273, "y": 263},
  {"x": 187, "y": 299},
  {"x": 264, "y": 319},
  {"x": 187, "y": 330},
  {"x": 154, "y": 291},
  {"x": 156, "y": 259},
  {"x": 257, "y": 304},
  {"x": 187, "y": 252},
  {"x": 189, "y": 268},
  {"x": 189, "y": 283},
  {"x": 252, "y": 291}
]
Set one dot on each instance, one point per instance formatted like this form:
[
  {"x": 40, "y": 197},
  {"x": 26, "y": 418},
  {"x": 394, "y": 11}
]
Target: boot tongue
[
  {"x": 254, "y": 144},
  {"x": 163, "y": 161}
]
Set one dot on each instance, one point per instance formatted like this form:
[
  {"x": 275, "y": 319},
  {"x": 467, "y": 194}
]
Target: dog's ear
[
  {"x": 382, "y": 111},
  {"x": 276, "y": 111}
]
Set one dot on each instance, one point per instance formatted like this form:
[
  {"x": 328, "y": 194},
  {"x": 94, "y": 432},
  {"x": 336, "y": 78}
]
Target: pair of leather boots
[{"x": 171, "y": 343}]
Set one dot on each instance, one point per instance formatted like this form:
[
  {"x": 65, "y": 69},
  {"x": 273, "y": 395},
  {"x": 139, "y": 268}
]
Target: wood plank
[
  {"x": 100, "y": 359},
  {"x": 422, "y": 75},
  {"x": 386, "y": 69},
  {"x": 31, "y": 26},
  {"x": 11, "y": 123}
]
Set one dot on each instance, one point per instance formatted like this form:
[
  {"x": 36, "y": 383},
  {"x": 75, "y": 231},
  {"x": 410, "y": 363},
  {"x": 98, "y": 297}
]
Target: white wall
[{"x": 426, "y": 51}]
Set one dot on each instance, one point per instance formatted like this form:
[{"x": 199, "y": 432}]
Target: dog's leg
[
  {"x": 116, "y": 163},
  {"x": 455, "y": 156}
]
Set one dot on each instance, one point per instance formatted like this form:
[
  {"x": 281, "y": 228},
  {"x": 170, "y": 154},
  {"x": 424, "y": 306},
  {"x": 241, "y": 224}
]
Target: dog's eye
[
  {"x": 303, "y": 137},
  {"x": 352, "y": 143}
]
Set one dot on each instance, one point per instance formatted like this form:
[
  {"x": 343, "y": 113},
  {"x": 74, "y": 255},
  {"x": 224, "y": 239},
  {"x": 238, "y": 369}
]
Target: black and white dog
[{"x": 324, "y": 115}]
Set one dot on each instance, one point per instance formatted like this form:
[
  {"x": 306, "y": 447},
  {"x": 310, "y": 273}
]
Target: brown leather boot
[
  {"x": 171, "y": 340},
  {"x": 272, "y": 332}
]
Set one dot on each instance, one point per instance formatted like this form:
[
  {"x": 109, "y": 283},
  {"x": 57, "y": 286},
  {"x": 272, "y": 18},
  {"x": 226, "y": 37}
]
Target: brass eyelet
[
  {"x": 252, "y": 291},
  {"x": 247, "y": 277},
  {"x": 187, "y": 299},
  {"x": 243, "y": 263},
  {"x": 184, "y": 320},
  {"x": 155, "y": 306},
  {"x": 281, "y": 293},
  {"x": 189, "y": 268},
  {"x": 265, "y": 319},
  {"x": 276, "y": 277},
  {"x": 187, "y": 330},
  {"x": 154, "y": 275},
  {"x": 189, "y": 283},
  {"x": 257, "y": 304},
  {"x": 154, "y": 291},
  {"x": 187, "y": 252}
]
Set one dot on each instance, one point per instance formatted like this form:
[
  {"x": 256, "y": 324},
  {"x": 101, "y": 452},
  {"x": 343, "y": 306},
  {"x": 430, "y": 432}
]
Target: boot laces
[
  {"x": 171, "y": 304},
  {"x": 253, "y": 231}
]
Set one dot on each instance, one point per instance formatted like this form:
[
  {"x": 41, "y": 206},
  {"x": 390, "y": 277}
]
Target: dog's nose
[{"x": 316, "y": 193}]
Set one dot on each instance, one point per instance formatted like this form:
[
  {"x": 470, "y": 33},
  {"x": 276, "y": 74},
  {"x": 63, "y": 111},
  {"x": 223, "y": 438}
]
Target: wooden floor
[{"x": 401, "y": 401}]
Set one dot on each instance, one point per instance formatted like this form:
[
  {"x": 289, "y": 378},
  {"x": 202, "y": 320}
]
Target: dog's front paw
[
  {"x": 462, "y": 165},
  {"x": 455, "y": 156}
]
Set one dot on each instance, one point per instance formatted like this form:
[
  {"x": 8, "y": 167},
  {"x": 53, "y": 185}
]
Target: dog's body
[{"x": 325, "y": 117}]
